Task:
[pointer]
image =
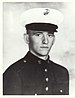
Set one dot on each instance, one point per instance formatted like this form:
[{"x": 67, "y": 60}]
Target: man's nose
[{"x": 45, "y": 39}]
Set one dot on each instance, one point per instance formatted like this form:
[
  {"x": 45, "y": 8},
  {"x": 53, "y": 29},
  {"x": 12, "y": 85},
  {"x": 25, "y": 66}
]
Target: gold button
[
  {"x": 24, "y": 61},
  {"x": 45, "y": 70},
  {"x": 47, "y": 79},
  {"x": 46, "y": 88},
  {"x": 61, "y": 90},
  {"x": 35, "y": 94}
]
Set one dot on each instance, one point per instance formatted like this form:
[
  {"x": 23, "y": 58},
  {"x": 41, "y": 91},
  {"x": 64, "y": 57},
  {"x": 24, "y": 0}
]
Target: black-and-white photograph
[{"x": 38, "y": 48}]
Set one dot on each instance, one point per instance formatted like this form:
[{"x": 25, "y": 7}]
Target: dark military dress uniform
[{"x": 31, "y": 75}]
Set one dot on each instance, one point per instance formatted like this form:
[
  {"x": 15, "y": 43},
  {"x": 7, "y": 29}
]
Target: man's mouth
[{"x": 44, "y": 47}]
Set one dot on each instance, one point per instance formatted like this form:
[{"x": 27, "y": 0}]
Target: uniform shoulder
[
  {"x": 16, "y": 66},
  {"x": 59, "y": 68}
]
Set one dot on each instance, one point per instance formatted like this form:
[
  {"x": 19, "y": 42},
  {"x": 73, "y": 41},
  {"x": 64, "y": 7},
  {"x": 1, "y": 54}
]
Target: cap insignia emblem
[{"x": 46, "y": 11}]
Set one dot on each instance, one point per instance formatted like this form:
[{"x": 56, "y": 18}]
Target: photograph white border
[{"x": 1, "y": 48}]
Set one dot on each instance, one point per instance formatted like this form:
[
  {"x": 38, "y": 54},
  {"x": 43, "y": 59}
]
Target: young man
[{"x": 36, "y": 73}]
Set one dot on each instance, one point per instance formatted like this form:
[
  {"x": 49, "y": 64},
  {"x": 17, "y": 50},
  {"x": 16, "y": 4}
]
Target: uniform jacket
[{"x": 31, "y": 75}]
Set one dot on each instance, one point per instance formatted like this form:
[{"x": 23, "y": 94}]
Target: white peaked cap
[{"x": 42, "y": 15}]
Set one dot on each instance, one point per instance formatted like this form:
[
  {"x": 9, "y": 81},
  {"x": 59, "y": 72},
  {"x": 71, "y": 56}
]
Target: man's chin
[{"x": 43, "y": 54}]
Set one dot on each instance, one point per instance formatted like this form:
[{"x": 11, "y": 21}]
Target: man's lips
[{"x": 44, "y": 47}]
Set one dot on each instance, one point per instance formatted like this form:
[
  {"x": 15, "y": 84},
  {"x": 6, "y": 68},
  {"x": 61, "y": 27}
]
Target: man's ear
[
  {"x": 26, "y": 38},
  {"x": 53, "y": 40}
]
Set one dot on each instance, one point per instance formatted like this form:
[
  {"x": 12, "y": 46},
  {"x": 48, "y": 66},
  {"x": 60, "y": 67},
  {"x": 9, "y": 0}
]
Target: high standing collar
[{"x": 34, "y": 59}]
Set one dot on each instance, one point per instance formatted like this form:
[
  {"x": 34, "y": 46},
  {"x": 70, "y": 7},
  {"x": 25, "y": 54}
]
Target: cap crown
[{"x": 42, "y": 15}]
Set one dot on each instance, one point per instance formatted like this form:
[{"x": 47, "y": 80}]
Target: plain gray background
[{"x": 14, "y": 47}]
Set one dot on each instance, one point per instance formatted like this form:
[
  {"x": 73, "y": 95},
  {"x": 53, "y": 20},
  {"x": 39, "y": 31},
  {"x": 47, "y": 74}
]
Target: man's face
[{"x": 40, "y": 42}]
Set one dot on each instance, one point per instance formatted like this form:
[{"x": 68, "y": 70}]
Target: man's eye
[
  {"x": 50, "y": 35},
  {"x": 37, "y": 34}
]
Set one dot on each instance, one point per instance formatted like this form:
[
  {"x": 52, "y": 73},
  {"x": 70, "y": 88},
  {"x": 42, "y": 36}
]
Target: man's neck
[{"x": 41, "y": 57}]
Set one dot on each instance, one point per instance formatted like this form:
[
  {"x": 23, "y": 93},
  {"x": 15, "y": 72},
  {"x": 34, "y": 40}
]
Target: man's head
[
  {"x": 41, "y": 24},
  {"x": 40, "y": 38},
  {"x": 40, "y": 42}
]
